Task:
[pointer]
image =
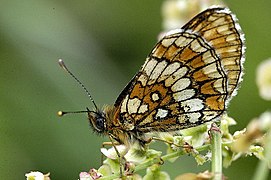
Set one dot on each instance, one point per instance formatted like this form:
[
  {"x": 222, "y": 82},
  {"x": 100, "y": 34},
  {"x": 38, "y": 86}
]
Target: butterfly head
[{"x": 97, "y": 120}]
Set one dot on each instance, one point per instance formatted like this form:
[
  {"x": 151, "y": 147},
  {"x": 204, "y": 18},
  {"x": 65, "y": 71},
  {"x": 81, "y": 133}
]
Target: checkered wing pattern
[{"x": 187, "y": 78}]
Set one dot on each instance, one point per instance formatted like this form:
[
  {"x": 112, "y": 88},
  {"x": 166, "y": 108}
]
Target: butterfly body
[
  {"x": 124, "y": 133},
  {"x": 187, "y": 80}
]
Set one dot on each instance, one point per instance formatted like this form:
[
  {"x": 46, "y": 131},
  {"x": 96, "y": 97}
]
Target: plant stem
[
  {"x": 262, "y": 170},
  {"x": 216, "y": 149}
]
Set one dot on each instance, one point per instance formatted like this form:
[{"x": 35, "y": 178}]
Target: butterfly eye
[
  {"x": 100, "y": 124},
  {"x": 97, "y": 121}
]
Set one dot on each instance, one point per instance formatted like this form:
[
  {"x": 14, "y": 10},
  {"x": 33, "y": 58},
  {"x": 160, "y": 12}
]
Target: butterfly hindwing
[{"x": 220, "y": 28}]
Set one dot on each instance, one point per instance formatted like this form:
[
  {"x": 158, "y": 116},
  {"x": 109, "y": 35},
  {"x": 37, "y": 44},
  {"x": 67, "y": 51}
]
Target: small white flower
[
  {"x": 85, "y": 176},
  {"x": 208, "y": 156},
  {"x": 177, "y": 12},
  {"x": 238, "y": 134},
  {"x": 112, "y": 154},
  {"x": 263, "y": 79},
  {"x": 257, "y": 151},
  {"x": 265, "y": 121},
  {"x": 35, "y": 175}
]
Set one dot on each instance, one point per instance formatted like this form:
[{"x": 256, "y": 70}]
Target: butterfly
[{"x": 187, "y": 80}]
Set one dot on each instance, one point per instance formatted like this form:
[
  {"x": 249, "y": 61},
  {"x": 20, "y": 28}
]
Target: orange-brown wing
[{"x": 184, "y": 81}]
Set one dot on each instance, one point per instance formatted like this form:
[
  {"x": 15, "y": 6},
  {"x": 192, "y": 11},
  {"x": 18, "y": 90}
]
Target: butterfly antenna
[
  {"x": 62, "y": 113},
  {"x": 63, "y": 66}
]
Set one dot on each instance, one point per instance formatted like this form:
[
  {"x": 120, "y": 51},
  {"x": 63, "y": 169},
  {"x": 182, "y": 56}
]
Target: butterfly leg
[
  {"x": 122, "y": 160},
  {"x": 185, "y": 146},
  {"x": 162, "y": 140},
  {"x": 108, "y": 144}
]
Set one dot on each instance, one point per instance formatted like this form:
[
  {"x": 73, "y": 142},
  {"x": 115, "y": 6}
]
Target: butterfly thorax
[{"x": 103, "y": 122}]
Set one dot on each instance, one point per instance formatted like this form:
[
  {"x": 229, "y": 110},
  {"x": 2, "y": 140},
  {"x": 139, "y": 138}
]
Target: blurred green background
[{"x": 104, "y": 43}]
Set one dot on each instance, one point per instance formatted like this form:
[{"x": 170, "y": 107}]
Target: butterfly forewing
[{"x": 187, "y": 78}]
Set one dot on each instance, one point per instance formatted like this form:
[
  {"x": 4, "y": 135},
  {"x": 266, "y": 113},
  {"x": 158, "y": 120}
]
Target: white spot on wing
[
  {"x": 143, "y": 108},
  {"x": 143, "y": 79},
  {"x": 133, "y": 105},
  {"x": 183, "y": 95},
  {"x": 175, "y": 76},
  {"x": 180, "y": 84},
  {"x": 161, "y": 113},
  {"x": 155, "y": 97},
  {"x": 168, "y": 71},
  {"x": 191, "y": 117},
  {"x": 192, "y": 105},
  {"x": 194, "y": 117},
  {"x": 123, "y": 104},
  {"x": 183, "y": 41},
  {"x": 157, "y": 71},
  {"x": 149, "y": 66},
  {"x": 168, "y": 42}
]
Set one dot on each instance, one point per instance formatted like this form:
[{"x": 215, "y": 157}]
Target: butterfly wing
[
  {"x": 220, "y": 28},
  {"x": 186, "y": 79}
]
